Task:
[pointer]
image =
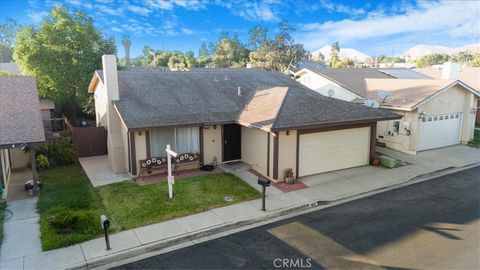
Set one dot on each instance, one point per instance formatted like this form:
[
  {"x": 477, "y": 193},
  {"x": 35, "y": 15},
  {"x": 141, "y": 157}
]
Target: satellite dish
[
  {"x": 384, "y": 95},
  {"x": 371, "y": 103},
  {"x": 331, "y": 92}
]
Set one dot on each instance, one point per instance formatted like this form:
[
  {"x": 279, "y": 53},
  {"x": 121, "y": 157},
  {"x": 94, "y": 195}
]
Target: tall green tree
[
  {"x": 203, "y": 51},
  {"x": 334, "y": 52},
  {"x": 8, "y": 30},
  {"x": 63, "y": 52},
  {"x": 280, "y": 52},
  {"x": 432, "y": 59},
  {"x": 230, "y": 52},
  {"x": 257, "y": 36}
]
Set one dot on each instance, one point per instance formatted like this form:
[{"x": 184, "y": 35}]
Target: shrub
[
  {"x": 59, "y": 153},
  {"x": 68, "y": 221},
  {"x": 42, "y": 162}
]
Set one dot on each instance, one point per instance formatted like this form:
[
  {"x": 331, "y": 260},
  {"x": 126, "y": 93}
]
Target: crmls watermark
[{"x": 292, "y": 263}]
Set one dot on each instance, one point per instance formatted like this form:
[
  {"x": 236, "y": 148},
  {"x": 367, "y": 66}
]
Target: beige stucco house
[
  {"x": 262, "y": 118},
  {"x": 436, "y": 113}
]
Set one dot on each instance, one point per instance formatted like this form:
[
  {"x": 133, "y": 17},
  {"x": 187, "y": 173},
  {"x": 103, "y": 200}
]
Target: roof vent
[
  {"x": 239, "y": 91},
  {"x": 384, "y": 95}
]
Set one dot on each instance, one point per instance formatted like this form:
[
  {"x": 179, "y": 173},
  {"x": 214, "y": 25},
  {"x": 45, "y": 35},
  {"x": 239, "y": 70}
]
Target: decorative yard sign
[{"x": 170, "y": 178}]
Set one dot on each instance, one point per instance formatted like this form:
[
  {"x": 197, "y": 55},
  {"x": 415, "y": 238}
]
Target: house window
[
  {"x": 424, "y": 119},
  {"x": 456, "y": 116},
  {"x": 396, "y": 126},
  {"x": 441, "y": 117},
  {"x": 435, "y": 118},
  {"x": 429, "y": 119},
  {"x": 182, "y": 140}
]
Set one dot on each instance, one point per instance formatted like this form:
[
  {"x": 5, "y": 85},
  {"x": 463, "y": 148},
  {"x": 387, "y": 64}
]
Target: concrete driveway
[{"x": 99, "y": 172}]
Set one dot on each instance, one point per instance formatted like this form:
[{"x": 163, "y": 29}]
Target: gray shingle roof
[
  {"x": 352, "y": 78},
  {"x": 306, "y": 64},
  {"x": 20, "y": 118},
  {"x": 195, "y": 98}
]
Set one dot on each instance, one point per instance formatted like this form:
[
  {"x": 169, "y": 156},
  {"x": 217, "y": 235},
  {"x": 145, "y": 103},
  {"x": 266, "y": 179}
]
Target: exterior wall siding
[
  {"x": 101, "y": 102},
  {"x": 287, "y": 153},
  {"x": 140, "y": 147},
  {"x": 321, "y": 85},
  {"x": 19, "y": 158},
  {"x": 254, "y": 149},
  {"x": 400, "y": 141}
]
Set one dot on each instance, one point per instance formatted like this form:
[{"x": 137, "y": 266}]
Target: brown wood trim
[
  {"x": 147, "y": 143},
  {"x": 133, "y": 153},
  {"x": 268, "y": 154},
  {"x": 222, "y": 141},
  {"x": 201, "y": 143},
  {"x": 347, "y": 123},
  {"x": 275, "y": 155},
  {"x": 323, "y": 129},
  {"x": 297, "y": 150},
  {"x": 373, "y": 142},
  {"x": 129, "y": 153}
]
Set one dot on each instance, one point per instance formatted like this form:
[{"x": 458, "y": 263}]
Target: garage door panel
[
  {"x": 439, "y": 131},
  {"x": 333, "y": 150}
]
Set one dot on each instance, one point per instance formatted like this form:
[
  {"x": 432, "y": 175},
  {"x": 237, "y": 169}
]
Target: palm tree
[{"x": 126, "y": 44}]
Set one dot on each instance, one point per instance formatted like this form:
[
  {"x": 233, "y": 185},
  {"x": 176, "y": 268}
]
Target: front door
[{"x": 232, "y": 140}]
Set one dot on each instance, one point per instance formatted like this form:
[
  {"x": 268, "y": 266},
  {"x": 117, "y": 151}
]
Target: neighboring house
[
  {"x": 339, "y": 83},
  {"x": 20, "y": 121},
  {"x": 262, "y": 118},
  {"x": 468, "y": 75},
  {"x": 424, "y": 102}
]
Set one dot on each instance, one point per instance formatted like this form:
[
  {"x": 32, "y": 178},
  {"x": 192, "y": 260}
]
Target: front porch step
[{"x": 236, "y": 166}]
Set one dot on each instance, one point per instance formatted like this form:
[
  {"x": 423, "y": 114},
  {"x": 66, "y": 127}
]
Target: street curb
[{"x": 269, "y": 217}]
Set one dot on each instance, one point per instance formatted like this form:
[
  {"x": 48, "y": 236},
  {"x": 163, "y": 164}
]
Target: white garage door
[
  {"x": 439, "y": 131},
  {"x": 333, "y": 150}
]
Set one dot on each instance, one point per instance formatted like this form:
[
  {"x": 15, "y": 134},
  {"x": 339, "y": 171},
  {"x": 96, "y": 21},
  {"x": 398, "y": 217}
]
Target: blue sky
[{"x": 373, "y": 27}]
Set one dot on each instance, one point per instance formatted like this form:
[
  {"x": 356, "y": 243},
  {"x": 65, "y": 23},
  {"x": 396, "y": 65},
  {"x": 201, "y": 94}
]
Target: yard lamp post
[{"x": 170, "y": 178}]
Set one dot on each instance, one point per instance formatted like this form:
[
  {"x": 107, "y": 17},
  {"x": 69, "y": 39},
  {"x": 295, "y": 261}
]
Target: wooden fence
[{"x": 90, "y": 141}]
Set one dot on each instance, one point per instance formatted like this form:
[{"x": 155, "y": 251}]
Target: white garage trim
[
  {"x": 333, "y": 150},
  {"x": 439, "y": 131}
]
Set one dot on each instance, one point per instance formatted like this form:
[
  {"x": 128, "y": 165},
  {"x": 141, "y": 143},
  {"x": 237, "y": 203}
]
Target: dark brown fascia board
[
  {"x": 182, "y": 125},
  {"x": 17, "y": 145},
  {"x": 338, "y": 124}
]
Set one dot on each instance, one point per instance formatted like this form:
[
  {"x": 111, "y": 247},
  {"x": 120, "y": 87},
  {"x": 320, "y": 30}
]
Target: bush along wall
[{"x": 56, "y": 153}]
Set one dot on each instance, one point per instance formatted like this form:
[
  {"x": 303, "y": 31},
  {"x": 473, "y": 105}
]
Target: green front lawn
[
  {"x": 69, "y": 207},
  {"x": 131, "y": 205}
]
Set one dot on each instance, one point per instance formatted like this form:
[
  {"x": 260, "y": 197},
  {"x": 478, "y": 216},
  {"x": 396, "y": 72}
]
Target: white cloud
[
  {"x": 37, "y": 16},
  {"x": 139, "y": 10},
  {"x": 252, "y": 11},
  {"x": 340, "y": 8},
  {"x": 80, "y": 3},
  {"x": 453, "y": 19},
  {"x": 116, "y": 29},
  {"x": 187, "y": 31}
]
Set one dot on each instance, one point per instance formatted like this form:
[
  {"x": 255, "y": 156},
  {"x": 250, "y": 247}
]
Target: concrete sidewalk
[
  {"x": 328, "y": 188},
  {"x": 99, "y": 172},
  {"x": 21, "y": 233}
]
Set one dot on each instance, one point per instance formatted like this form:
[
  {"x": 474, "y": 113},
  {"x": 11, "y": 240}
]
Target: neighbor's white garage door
[
  {"x": 333, "y": 150},
  {"x": 438, "y": 131}
]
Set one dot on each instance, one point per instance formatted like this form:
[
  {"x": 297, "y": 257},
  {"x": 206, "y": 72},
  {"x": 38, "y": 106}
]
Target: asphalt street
[{"x": 429, "y": 225}]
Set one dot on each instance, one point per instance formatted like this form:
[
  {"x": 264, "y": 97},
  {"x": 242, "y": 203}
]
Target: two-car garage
[{"x": 325, "y": 151}]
